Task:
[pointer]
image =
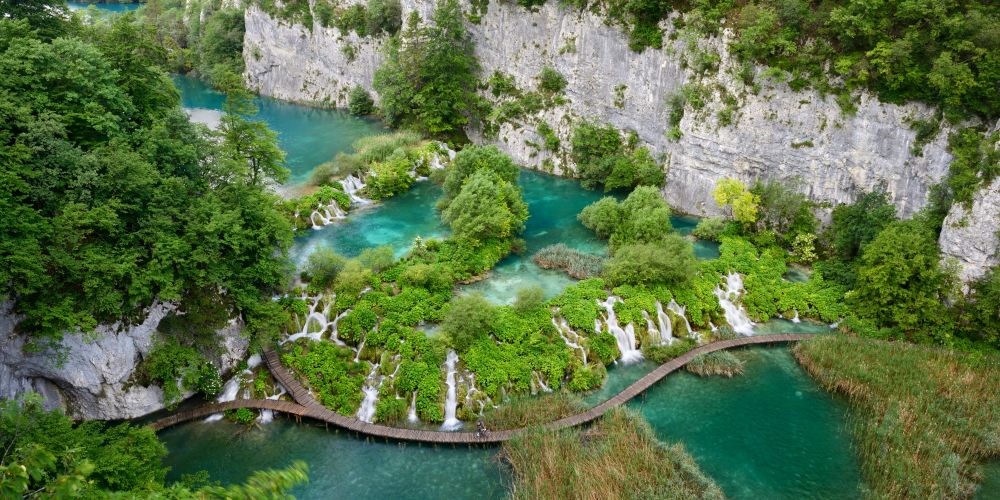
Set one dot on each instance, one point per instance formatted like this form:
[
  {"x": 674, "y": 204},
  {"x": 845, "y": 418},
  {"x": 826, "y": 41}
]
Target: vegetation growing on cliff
[
  {"x": 199, "y": 36},
  {"x": 924, "y": 418},
  {"x": 428, "y": 80},
  {"x": 46, "y": 455},
  {"x": 115, "y": 200},
  {"x": 847, "y": 44},
  {"x": 604, "y": 158},
  {"x": 617, "y": 457}
]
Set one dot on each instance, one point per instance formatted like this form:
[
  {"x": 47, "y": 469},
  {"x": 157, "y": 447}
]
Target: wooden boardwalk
[{"x": 306, "y": 405}]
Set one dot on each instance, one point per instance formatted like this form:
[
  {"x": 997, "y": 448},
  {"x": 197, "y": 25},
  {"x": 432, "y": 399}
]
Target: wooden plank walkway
[{"x": 306, "y": 405}]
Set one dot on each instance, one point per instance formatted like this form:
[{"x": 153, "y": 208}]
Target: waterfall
[
  {"x": 451, "y": 401},
  {"x": 266, "y": 416},
  {"x": 412, "y": 417},
  {"x": 334, "y": 334},
  {"x": 666, "y": 326},
  {"x": 232, "y": 386},
  {"x": 795, "y": 319},
  {"x": 735, "y": 315},
  {"x": 351, "y": 187},
  {"x": 681, "y": 311},
  {"x": 564, "y": 329},
  {"x": 325, "y": 217},
  {"x": 366, "y": 413},
  {"x": 314, "y": 316},
  {"x": 624, "y": 337}
]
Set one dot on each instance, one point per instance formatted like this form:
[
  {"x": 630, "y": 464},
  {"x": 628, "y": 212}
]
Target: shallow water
[
  {"x": 105, "y": 7},
  {"x": 770, "y": 433},
  {"x": 341, "y": 465},
  {"x": 309, "y": 136},
  {"x": 990, "y": 489}
]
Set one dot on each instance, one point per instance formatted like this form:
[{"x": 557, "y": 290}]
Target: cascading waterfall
[
  {"x": 564, "y": 330},
  {"x": 625, "y": 337},
  {"x": 325, "y": 217},
  {"x": 681, "y": 311},
  {"x": 666, "y": 326},
  {"x": 735, "y": 315},
  {"x": 451, "y": 422},
  {"x": 232, "y": 386},
  {"x": 366, "y": 413},
  {"x": 266, "y": 416},
  {"x": 317, "y": 317},
  {"x": 795, "y": 319},
  {"x": 412, "y": 417},
  {"x": 352, "y": 185}
]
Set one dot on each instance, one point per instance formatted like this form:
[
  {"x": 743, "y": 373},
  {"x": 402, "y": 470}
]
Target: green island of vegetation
[{"x": 115, "y": 202}]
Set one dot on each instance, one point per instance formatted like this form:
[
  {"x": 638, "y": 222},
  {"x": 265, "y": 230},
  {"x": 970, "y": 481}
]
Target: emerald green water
[
  {"x": 340, "y": 465},
  {"x": 990, "y": 489},
  {"x": 113, "y": 8},
  {"x": 309, "y": 136},
  {"x": 771, "y": 433}
]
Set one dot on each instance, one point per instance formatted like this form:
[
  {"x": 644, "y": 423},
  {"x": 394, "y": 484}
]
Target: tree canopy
[{"x": 113, "y": 199}]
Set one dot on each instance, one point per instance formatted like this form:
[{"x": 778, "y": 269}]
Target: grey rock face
[
  {"x": 969, "y": 235},
  {"x": 776, "y": 134},
  {"x": 95, "y": 380}
]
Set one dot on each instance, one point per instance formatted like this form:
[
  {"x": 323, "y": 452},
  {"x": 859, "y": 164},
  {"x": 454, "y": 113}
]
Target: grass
[
  {"x": 617, "y": 457},
  {"x": 924, "y": 418},
  {"x": 375, "y": 148},
  {"x": 577, "y": 264},
  {"x": 527, "y": 411},
  {"x": 722, "y": 363}
]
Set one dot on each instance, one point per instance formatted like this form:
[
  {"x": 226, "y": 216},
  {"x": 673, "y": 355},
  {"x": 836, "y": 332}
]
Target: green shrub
[
  {"x": 551, "y": 81},
  {"x": 663, "y": 353},
  {"x": 359, "y": 102},
  {"x": 244, "y": 416},
  {"x": 330, "y": 372},
  {"x": 710, "y": 228}
]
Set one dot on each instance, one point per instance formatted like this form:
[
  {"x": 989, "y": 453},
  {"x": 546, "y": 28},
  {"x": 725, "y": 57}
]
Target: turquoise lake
[{"x": 771, "y": 433}]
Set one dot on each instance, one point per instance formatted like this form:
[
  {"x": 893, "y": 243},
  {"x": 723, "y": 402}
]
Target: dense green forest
[{"x": 113, "y": 200}]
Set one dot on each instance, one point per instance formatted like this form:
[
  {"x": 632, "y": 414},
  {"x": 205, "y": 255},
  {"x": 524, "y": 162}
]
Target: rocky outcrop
[
  {"x": 313, "y": 64},
  {"x": 971, "y": 235},
  {"x": 775, "y": 133},
  {"x": 93, "y": 377}
]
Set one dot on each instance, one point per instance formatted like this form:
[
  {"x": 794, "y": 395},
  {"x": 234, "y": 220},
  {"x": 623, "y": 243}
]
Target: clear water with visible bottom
[{"x": 769, "y": 433}]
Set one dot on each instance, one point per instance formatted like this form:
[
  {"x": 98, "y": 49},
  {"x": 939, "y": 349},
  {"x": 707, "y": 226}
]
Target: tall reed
[
  {"x": 617, "y": 457},
  {"x": 924, "y": 418}
]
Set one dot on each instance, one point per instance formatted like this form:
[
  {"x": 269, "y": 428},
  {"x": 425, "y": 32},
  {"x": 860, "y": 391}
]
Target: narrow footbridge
[{"x": 306, "y": 405}]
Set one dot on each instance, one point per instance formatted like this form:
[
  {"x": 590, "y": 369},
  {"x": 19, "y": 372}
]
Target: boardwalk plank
[{"x": 305, "y": 405}]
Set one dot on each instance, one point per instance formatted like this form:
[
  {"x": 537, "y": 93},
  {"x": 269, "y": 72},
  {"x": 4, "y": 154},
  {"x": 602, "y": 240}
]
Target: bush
[
  {"x": 359, "y": 102},
  {"x": 710, "y": 228},
  {"x": 323, "y": 266},
  {"x": 551, "y": 81},
  {"x": 468, "y": 319},
  {"x": 174, "y": 366},
  {"x": 604, "y": 158},
  {"x": 577, "y": 264},
  {"x": 330, "y": 372},
  {"x": 244, "y": 416},
  {"x": 529, "y": 299}
]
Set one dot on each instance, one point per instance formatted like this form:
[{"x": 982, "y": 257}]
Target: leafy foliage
[
  {"x": 667, "y": 261},
  {"x": 429, "y": 81},
  {"x": 330, "y": 372},
  {"x": 604, "y": 158},
  {"x": 359, "y": 102},
  {"x": 110, "y": 211}
]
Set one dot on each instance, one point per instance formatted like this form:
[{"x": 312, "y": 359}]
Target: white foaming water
[
  {"x": 666, "y": 326},
  {"x": 565, "y": 331},
  {"x": 352, "y": 185},
  {"x": 232, "y": 386},
  {"x": 266, "y": 416},
  {"x": 412, "y": 417},
  {"x": 681, "y": 311},
  {"x": 319, "y": 318},
  {"x": 795, "y": 319},
  {"x": 366, "y": 413},
  {"x": 735, "y": 315},
  {"x": 321, "y": 216},
  {"x": 625, "y": 337},
  {"x": 451, "y": 422}
]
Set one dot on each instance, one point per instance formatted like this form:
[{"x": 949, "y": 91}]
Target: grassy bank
[
  {"x": 525, "y": 411},
  {"x": 924, "y": 418},
  {"x": 617, "y": 457},
  {"x": 722, "y": 363}
]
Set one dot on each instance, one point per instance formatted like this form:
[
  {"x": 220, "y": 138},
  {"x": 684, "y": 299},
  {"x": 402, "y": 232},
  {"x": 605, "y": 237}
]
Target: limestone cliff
[
  {"x": 970, "y": 234},
  {"x": 96, "y": 379},
  {"x": 776, "y": 133}
]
